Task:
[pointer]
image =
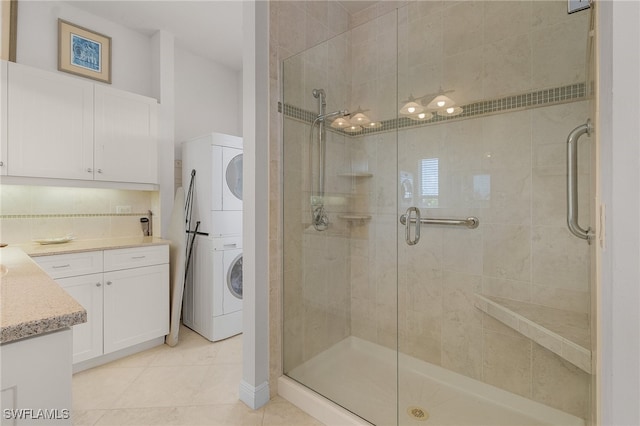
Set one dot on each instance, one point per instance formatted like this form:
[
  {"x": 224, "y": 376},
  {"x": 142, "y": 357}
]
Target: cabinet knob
[
  {"x": 98, "y": 284},
  {"x": 99, "y": 170},
  {"x": 89, "y": 170},
  {"x": 109, "y": 283},
  {"x": 1, "y": 163}
]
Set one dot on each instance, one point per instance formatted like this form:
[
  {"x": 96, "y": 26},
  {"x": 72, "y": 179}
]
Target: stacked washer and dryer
[{"x": 212, "y": 304}]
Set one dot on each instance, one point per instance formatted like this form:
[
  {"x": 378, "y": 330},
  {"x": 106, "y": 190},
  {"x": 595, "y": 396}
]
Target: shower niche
[{"x": 359, "y": 200}]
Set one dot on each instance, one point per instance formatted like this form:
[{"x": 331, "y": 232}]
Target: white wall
[
  {"x": 254, "y": 386},
  {"x": 208, "y": 97},
  {"x": 38, "y": 42},
  {"x": 619, "y": 29}
]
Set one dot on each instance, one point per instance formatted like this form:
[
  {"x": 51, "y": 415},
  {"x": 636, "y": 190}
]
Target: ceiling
[{"x": 209, "y": 28}]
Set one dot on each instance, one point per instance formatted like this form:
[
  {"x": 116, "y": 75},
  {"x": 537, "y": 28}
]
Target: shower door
[
  {"x": 428, "y": 273},
  {"x": 340, "y": 221},
  {"x": 493, "y": 293}
]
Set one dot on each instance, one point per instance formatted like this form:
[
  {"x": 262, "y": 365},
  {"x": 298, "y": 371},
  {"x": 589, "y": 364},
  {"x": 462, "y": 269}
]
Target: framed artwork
[
  {"x": 84, "y": 52},
  {"x": 8, "y": 38}
]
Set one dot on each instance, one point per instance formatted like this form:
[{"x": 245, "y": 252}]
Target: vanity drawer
[
  {"x": 136, "y": 257},
  {"x": 71, "y": 265}
]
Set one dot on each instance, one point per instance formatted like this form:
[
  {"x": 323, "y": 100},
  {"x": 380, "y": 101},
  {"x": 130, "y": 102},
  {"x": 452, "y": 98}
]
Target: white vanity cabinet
[
  {"x": 136, "y": 296},
  {"x": 36, "y": 375},
  {"x": 127, "y": 301},
  {"x": 3, "y": 117},
  {"x": 87, "y": 337},
  {"x": 70, "y": 128}
]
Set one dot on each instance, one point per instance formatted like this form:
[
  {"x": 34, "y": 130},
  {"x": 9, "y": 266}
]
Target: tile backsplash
[{"x": 35, "y": 212}]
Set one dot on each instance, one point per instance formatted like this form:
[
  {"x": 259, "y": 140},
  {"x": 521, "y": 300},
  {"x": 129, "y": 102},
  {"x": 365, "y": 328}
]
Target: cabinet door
[
  {"x": 50, "y": 127},
  {"x": 3, "y": 117},
  {"x": 125, "y": 136},
  {"x": 87, "y": 337},
  {"x": 136, "y": 306}
]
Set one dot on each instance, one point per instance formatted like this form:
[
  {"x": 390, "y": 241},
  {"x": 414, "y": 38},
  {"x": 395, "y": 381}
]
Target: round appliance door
[
  {"x": 234, "y": 176},
  {"x": 232, "y": 187},
  {"x": 234, "y": 277}
]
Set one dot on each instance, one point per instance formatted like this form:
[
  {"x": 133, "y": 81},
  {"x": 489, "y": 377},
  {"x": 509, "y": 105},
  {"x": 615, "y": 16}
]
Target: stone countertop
[
  {"x": 78, "y": 246},
  {"x": 32, "y": 303}
]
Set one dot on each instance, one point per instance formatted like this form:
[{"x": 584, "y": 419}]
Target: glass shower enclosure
[{"x": 429, "y": 273}]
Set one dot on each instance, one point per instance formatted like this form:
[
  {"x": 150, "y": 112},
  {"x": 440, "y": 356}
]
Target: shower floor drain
[{"x": 417, "y": 413}]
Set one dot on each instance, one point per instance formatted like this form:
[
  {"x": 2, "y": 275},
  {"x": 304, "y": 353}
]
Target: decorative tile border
[
  {"x": 40, "y": 216},
  {"x": 572, "y": 92}
]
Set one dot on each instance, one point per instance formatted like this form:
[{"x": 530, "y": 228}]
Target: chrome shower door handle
[
  {"x": 572, "y": 181},
  {"x": 407, "y": 226}
]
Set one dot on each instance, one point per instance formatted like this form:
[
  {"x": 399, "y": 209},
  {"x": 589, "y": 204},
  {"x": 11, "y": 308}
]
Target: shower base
[{"x": 362, "y": 376}]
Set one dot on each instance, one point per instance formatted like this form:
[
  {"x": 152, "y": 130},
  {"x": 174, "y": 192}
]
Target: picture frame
[
  {"x": 84, "y": 52},
  {"x": 9, "y": 36}
]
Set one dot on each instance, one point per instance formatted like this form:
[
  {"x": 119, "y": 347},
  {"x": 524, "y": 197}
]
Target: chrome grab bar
[
  {"x": 572, "y": 182},
  {"x": 416, "y": 220},
  {"x": 470, "y": 222}
]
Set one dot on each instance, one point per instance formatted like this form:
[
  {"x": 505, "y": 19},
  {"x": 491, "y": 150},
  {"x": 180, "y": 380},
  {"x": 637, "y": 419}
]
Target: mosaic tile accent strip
[
  {"x": 295, "y": 112},
  {"x": 572, "y": 92},
  {"x": 39, "y": 216}
]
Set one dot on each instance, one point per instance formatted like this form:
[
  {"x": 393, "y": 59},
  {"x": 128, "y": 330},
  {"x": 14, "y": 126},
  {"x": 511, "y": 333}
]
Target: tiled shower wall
[
  {"x": 38, "y": 212},
  {"x": 508, "y": 169},
  {"x": 521, "y": 250},
  {"x": 316, "y": 310},
  {"x": 294, "y": 27}
]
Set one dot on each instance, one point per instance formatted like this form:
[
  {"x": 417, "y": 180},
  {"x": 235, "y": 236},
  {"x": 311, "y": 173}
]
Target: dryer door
[
  {"x": 232, "y": 187},
  {"x": 233, "y": 281}
]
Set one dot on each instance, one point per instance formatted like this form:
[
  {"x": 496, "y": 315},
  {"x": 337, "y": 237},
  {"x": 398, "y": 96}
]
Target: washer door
[
  {"x": 233, "y": 293},
  {"x": 234, "y": 277}
]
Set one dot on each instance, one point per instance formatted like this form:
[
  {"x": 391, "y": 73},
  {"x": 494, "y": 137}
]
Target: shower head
[{"x": 318, "y": 93}]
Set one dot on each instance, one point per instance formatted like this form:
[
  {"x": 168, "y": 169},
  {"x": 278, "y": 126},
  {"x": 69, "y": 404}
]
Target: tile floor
[{"x": 194, "y": 383}]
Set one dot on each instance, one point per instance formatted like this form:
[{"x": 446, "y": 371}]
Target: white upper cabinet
[
  {"x": 50, "y": 124},
  {"x": 70, "y": 128},
  {"x": 126, "y": 148}
]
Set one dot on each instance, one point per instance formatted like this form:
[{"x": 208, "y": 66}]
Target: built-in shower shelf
[
  {"x": 564, "y": 333},
  {"x": 356, "y": 175},
  {"x": 355, "y": 217}
]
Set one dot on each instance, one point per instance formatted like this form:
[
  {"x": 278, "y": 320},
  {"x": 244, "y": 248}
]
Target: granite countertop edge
[{"x": 32, "y": 328}]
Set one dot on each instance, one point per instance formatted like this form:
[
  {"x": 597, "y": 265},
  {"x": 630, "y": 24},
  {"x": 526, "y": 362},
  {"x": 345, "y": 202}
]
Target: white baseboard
[
  {"x": 254, "y": 396},
  {"x": 317, "y": 406},
  {"x": 103, "y": 359}
]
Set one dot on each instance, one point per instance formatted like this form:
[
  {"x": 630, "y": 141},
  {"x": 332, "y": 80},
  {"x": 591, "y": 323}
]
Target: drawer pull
[
  {"x": 138, "y": 257},
  {"x": 230, "y": 245},
  {"x": 109, "y": 283},
  {"x": 98, "y": 284},
  {"x": 60, "y": 266}
]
